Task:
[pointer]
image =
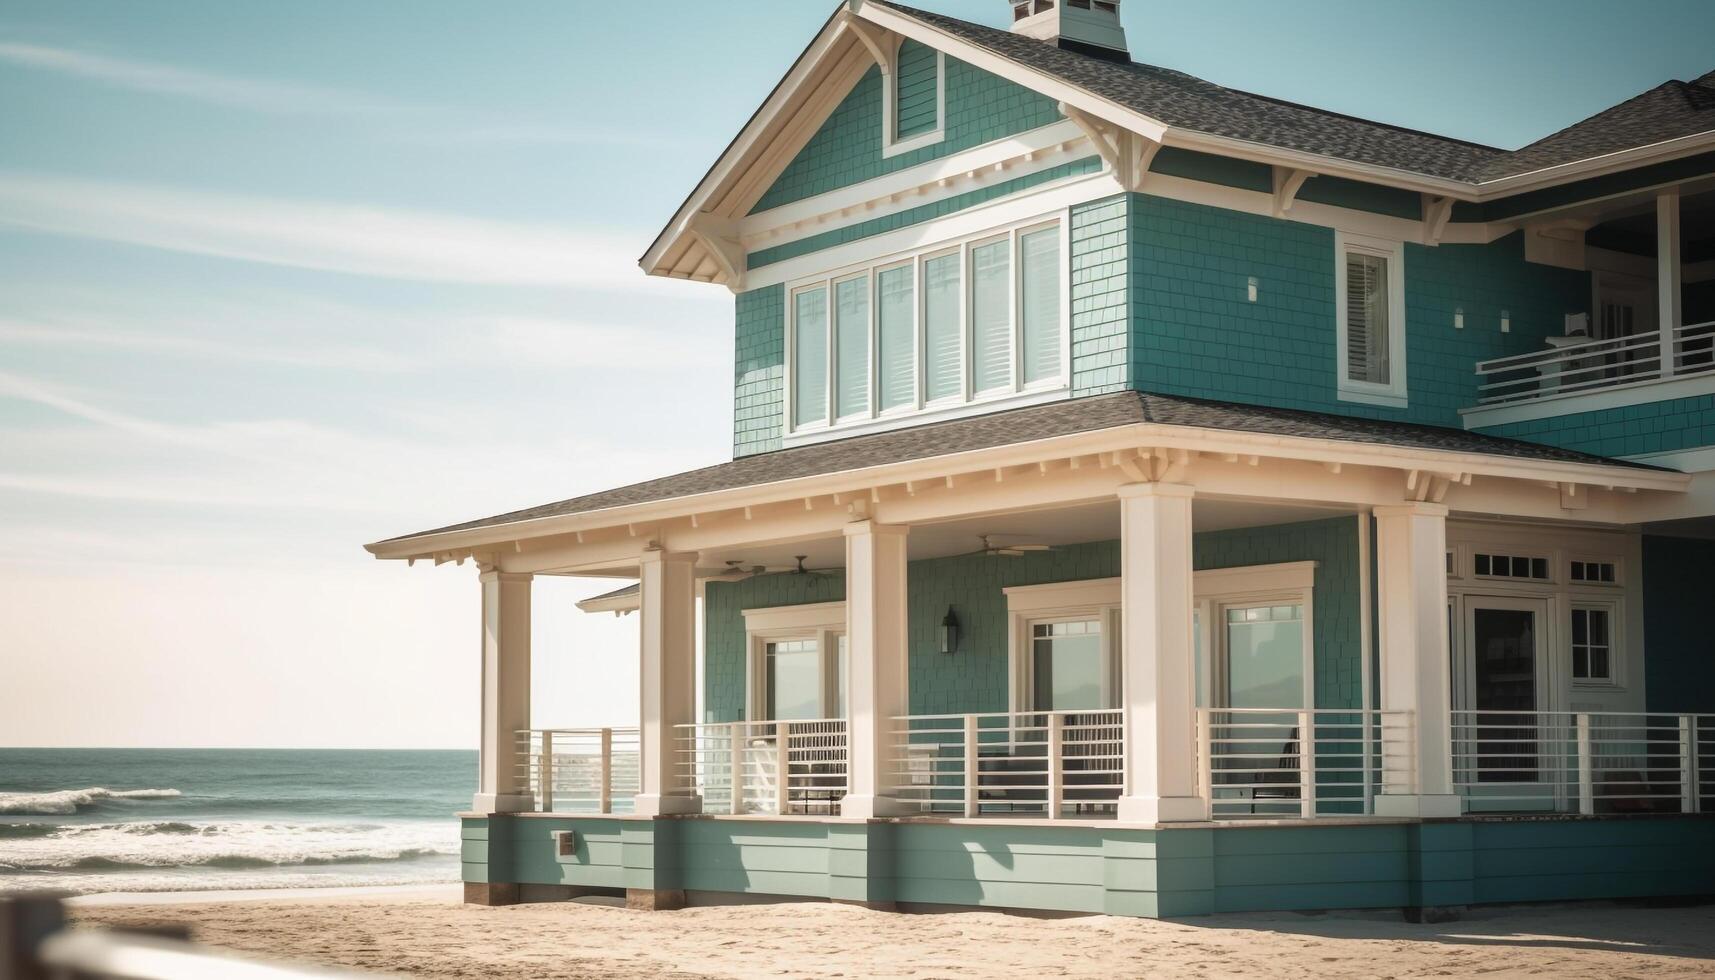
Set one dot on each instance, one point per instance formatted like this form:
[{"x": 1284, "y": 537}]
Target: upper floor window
[
  {"x": 916, "y": 99},
  {"x": 1370, "y": 308},
  {"x": 975, "y": 322}
]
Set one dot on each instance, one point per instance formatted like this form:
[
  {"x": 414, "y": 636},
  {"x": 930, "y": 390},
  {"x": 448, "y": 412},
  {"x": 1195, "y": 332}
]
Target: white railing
[
  {"x": 580, "y": 770},
  {"x": 1282, "y": 762},
  {"x": 1584, "y": 762},
  {"x": 1596, "y": 364},
  {"x": 1034, "y": 763},
  {"x": 765, "y": 766}
]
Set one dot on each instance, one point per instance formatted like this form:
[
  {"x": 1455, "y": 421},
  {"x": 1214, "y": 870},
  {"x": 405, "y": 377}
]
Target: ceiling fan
[
  {"x": 1009, "y": 550},
  {"x": 738, "y": 571}
]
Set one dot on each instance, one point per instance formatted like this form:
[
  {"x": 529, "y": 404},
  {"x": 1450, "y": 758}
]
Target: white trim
[
  {"x": 1685, "y": 460},
  {"x": 1615, "y": 607},
  {"x": 1393, "y": 394},
  {"x": 1083, "y": 599},
  {"x": 805, "y": 616},
  {"x": 1244, "y": 580},
  {"x": 1217, "y": 589},
  {"x": 823, "y": 622},
  {"x": 1617, "y": 396}
]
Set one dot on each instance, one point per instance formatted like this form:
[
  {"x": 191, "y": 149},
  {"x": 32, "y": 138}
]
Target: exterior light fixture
[{"x": 949, "y": 632}]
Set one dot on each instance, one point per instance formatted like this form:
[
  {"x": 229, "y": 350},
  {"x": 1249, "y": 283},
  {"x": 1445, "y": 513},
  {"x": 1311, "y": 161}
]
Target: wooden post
[
  {"x": 604, "y": 791},
  {"x": 1586, "y": 774},
  {"x": 973, "y": 774},
  {"x": 782, "y": 767},
  {"x": 545, "y": 776},
  {"x": 1056, "y": 770},
  {"x": 1307, "y": 764},
  {"x": 1688, "y": 795},
  {"x": 736, "y": 763}
]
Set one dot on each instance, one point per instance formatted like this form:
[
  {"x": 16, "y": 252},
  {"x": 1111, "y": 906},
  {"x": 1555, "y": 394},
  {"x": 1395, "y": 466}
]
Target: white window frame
[
  {"x": 1616, "y": 639},
  {"x": 1394, "y": 393},
  {"x": 1027, "y": 605},
  {"x": 824, "y": 622},
  {"x": 870, "y": 380},
  {"x": 1503, "y": 550},
  {"x": 891, "y": 144},
  {"x": 1588, "y": 559},
  {"x": 1217, "y": 589},
  {"x": 968, "y": 401}
]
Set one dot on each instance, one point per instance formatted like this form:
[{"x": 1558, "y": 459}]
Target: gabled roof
[
  {"x": 1031, "y": 424},
  {"x": 1173, "y": 107}
]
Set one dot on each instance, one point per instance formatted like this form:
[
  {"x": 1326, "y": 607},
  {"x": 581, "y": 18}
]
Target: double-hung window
[
  {"x": 1594, "y": 655},
  {"x": 974, "y": 322},
  {"x": 1370, "y": 311}
]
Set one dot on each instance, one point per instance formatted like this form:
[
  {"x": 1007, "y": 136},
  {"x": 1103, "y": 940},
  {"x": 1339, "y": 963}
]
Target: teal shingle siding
[
  {"x": 1195, "y": 333},
  {"x": 916, "y": 100},
  {"x": 974, "y": 678},
  {"x": 981, "y": 108},
  {"x": 1679, "y": 655},
  {"x": 759, "y": 371},
  {"x": 1101, "y": 292},
  {"x": 1653, "y": 427},
  {"x": 918, "y": 215}
]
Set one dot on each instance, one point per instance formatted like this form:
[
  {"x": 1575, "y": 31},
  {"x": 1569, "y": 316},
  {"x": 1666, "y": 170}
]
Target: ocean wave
[
  {"x": 67, "y": 801},
  {"x": 229, "y": 845},
  {"x": 10, "y": 831}
]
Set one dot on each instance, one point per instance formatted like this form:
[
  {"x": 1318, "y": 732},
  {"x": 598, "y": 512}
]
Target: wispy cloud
[
  {"x": 333, "y": 237},
  {"x": 415, "y": 123},
  {"x": 111, "y": 337}
]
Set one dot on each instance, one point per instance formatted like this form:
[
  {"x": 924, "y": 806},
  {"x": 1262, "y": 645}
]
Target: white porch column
[
  {"x": 876, "y": 663},
  {"x": 667, "y": 586},
  {"x": 1411, "y": 600},
  {"x": 1667, "y": 274},
  {"x": 501, "y": 784},
  {"x": 1159, "y": 672}
]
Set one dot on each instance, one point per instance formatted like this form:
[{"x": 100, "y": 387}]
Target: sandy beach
[{"x": 427, "y": 933}]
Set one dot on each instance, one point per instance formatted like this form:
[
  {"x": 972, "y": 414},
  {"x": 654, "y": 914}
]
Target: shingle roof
[
  {"x": 1021, "y": 425},
  {"x": 1184, "y": 101}
]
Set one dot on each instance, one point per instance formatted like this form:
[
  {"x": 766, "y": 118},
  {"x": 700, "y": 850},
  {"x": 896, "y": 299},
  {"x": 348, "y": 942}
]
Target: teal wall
[
  {"x": 1664, "y": 426},
  {"x": 1679, "y": 649},
  {"x": 1119, "y": 871},
  {"x": 981, "y": 108},
  {"x": 974, "y": 678},
  {"x": 1194, "y": 331},
  {"x": 759, "y": 371}
]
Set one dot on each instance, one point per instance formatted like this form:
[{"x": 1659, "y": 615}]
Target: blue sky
[{"x": 277, "y": 279}]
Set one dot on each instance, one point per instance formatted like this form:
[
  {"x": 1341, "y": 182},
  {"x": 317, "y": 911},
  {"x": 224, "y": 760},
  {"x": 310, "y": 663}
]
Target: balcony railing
[
  {"x": 1596, "y": 365},
  {"x": 1591, "y": 763},
  {"x": 1284, "y": 763},
  {"x": 580, "y": 770},
  {"x": 765, "y": 766},
  {"x": 1035, "y": 763}
]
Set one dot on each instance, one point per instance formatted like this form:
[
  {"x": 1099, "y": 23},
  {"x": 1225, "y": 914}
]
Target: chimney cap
[{"x": 1087, "y": 26}]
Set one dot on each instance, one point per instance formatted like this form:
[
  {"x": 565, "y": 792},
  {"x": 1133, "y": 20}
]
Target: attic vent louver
[{"x": 1087, "y": 26}]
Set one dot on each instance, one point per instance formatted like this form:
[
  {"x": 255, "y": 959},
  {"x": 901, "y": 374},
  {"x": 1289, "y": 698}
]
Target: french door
[{"x": 1510, "y": 752}]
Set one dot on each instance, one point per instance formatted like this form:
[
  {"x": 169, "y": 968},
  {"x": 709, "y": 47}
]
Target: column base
[
  {"x": 866, "y": 807},
  {"x": 654, "y": 899},
  {"x": 1416, "y": 805},
  {"x": 653, "y": 805},
  {"x": 1162, "y": 809},
  {"x": 502, "y": 803},
  {"x": 490, "y": 893}
]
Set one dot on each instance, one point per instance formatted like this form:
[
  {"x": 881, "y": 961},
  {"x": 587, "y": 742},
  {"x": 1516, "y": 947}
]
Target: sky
[{"x": 280, "y": 279}]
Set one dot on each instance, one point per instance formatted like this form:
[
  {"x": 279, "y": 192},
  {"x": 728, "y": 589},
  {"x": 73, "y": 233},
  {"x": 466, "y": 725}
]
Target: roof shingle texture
[
  {"x": 1671, "y": 110},
  {"x": 1021, "y": 425}
]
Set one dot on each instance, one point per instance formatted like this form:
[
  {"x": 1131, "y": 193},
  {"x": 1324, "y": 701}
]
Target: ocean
[{"x": 102, "y": 820}]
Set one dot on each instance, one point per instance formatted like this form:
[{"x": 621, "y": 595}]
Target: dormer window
[{"x": 943, "y": 332}]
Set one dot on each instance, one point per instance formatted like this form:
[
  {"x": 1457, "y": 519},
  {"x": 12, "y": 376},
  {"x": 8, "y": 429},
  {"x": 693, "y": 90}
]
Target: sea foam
[
  {"x": 235, "y": 844},
  {"x": 68, "y": 801}
]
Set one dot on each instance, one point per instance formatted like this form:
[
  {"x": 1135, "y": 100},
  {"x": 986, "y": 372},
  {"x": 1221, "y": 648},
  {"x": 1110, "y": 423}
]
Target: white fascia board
[
  {"x": 1114, "y": 439},
  {"x": 613, "y": 604},
  {"x": 1662, "y": 152}
]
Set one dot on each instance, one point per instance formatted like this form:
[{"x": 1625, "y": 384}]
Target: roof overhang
[
  {"x": 1419, "y": 468},
  {"x": 619, "y": 601}
]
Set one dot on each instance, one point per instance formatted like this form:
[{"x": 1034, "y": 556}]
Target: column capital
[
  {"x": 1178, "y": 490},
  {"x": 856, "y": 528},
  {"x": 496, "y": 575},
  {"x": 652, "y": 556},
  {"x": 1411, "y": 509}
]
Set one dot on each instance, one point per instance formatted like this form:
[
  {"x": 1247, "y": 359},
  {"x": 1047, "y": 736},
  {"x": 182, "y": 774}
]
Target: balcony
[{"x": 1588, "y": 367}]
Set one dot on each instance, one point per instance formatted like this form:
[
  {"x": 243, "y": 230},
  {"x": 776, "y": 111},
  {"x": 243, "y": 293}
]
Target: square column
[
  {"x": 1159, "y": 672},
  {"x": 1411, "y": 602},
  {"x": 501, "y": 786},
  {"x": 1667, "y": 276},
  {"x": 667, "y": 586},
  {"x": 876, "y": 663}
]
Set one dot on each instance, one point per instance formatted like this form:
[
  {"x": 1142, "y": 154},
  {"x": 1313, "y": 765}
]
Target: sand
[{"x": 429, "y": 934}]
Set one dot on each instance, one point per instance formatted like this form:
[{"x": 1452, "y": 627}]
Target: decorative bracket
[
  {"x": 1436, "y": 211},
  {"x": 726, "y": 252},
  {"x": 883, "y": 45},
  {"x": 1127, "y": 153},
  {"x": 1287, "y": 182}
]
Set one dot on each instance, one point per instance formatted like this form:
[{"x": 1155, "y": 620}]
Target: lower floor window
[
  {"x": 1592, "y": 644},
  {"x": 1261, "y": 656},
  {"x": 1069, "y": 666}
]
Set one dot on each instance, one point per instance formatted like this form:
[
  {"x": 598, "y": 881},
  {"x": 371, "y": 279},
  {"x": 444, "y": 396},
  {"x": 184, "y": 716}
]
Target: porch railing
[
  {"x": 1596, "y": 364},
  {"x": 580, "y": 770},
  {"x": 1258, "y": 763},
  {"x": 1584, "y": 762},
  {"x": 1035, "y": 763},
  {"x": 765, "y": 766}
]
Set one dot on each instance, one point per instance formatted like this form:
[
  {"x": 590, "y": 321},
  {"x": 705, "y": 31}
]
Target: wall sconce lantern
[{"x": 949, "y": 632}]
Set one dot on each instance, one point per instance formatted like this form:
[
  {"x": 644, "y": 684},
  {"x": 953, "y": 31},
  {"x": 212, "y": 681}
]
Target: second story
[{"x": 930, "y": 219}]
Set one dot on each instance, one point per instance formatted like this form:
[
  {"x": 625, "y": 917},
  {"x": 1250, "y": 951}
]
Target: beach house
[{"x": 1146, "y": 497}]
